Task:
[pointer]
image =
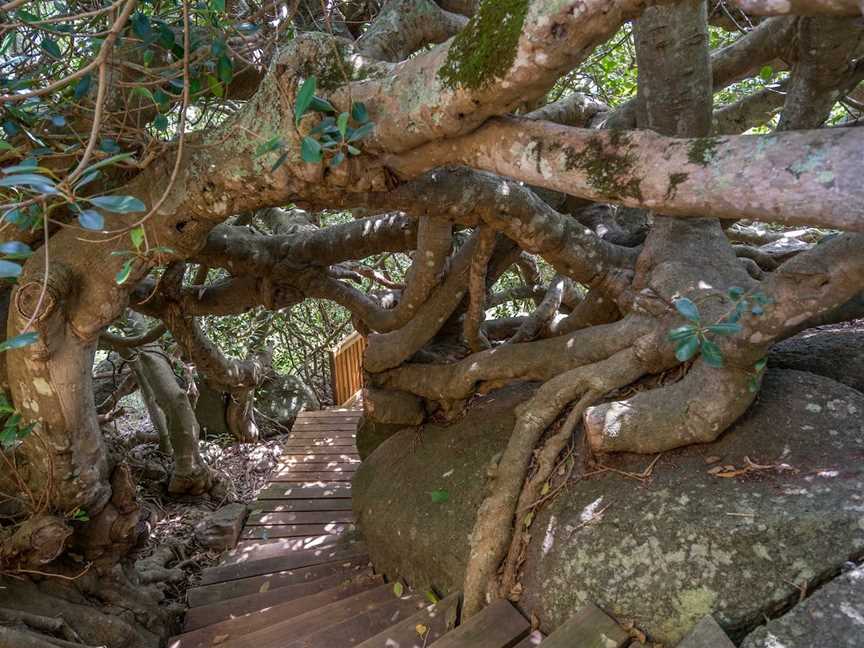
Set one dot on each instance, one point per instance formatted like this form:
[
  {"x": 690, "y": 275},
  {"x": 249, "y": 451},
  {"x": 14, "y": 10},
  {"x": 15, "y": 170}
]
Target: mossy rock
[{"x": 666, "y": 551}]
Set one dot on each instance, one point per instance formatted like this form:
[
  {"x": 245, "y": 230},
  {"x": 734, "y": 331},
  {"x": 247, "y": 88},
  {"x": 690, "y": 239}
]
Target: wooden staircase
[{"x": 301, "y": 578}]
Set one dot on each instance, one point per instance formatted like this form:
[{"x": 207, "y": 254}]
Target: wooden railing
[{"x": 346, "y": 367}]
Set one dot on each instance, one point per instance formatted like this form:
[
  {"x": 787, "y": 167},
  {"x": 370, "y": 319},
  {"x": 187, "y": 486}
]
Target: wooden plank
[
  {"x": 310, "y": 623},
  {"x": 319, "y": 466},
  {"x": 499, "y": 625},
  {"x": 300, "y": 517},
  {"x": 203, "y": 615},
  {"x": 437, "y": 619},
  {"x": 590, "y": 627},
  {"x": 323, "y": 449},
  {"x": 216, "y": 592},
  {"x": 282, "y": 491},
  {"x": 306, "y": 432},
  {"x": 319, "y": 442},
  {"x": 357, "y": 628},
  {"x": 323, "y": 475},
  {"x": 295, "y": 530},
  {"x": 330, "y": 413},
  {"x": 294, "y": 560},
  {"x": 208, "y": 623},
  {"x": 280, "y": 506},
  {"x": 259, "y": 549},
  {"x": 531, "y": 640},
  {"x": 706, "y": 634},
  {"x": 348, "y": 457}
]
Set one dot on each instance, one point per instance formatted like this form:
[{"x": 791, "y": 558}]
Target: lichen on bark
[
  {"x": 486, "y": 48},
  {"x": 610, "y": 167}
]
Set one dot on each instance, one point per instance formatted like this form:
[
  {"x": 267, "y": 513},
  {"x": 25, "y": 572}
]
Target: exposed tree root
[{"x": 494, "y": 526}]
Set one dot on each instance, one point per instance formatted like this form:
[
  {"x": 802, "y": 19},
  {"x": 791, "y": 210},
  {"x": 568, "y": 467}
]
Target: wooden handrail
[{"x": 346, "y": 365}]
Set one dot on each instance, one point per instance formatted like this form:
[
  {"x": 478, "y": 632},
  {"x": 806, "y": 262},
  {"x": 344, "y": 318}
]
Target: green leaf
[
  {"x": 432, "y": 597},
  {"x": 321, "y": 105},
  {"x": 19, "y": 341},
  {"x": 761, "y": 364},
  {"x": 225, "y": 69},
  {"x": 9, "y": 269},
  {"x": 440, "y": 496},
  {"x": 50, "y": 46},
  {"x": 124, "y": 272},
  {"x": 304, "y": 97},
  {"x": 34, "y": 181},
  {"x": 217, "y": 6},
  {"x": 141, "y": 26},
  {"x": 137, "y": 236},
  {"x": 725, "y": 328},
  {"x": 8, "y": 437},
  {"x": 398, "y": 589},
  {"x": 269, "y": 146},
  {"x": 215, "y": 87},
  {"x": 766, "y": 73},
  {"x": 757, "y": 310},
  {"x": 83, "y": 86},
  {"x": 736, "y": 293},
  {"x": 359, "y": 112},
  {"x": 310, "y": 150},
  {"x": 160, "y": 122},
  {"x": 279, "y": 161},
  {"x": 342, "y": 123},
  {"x": 687, "y": 308},
  {"x": 91, "y": 219},
  {"x": 361, "y": 132},
  {"x": 144, "y": 93},
  {"x": 686, "y": 349},
  {"x": 108, "y": 162},
  {"x": 682, "y": 333},
  {"x": 148, "y": 58},
  {"x": 353, "y": 150},
  {"x": 711, "y": 354},
  {"x": 118, "y": 204},
  {"x": 15, "y": 250},
  {"x": 338, "y": 159}
]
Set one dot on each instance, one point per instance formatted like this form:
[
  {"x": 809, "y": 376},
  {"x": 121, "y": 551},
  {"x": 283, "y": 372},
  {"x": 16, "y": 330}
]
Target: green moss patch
[
  {"x": 610, "y": 169},
  {"x": 486, "y": 48}
]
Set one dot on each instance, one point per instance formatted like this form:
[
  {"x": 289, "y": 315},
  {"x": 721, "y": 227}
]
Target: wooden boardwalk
[{"x": 300, "y": 577}]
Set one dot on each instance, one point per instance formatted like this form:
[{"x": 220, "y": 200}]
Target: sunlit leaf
[
  {"x": 9, "y": 269},
  {"x": 687, "y": 348},
  {"x": 118, "y": 204},
  {"x": 15, "y": 250},
  {"x": 687, "y": 308},
  {"x": 19, "y": 341},
  {"x": 91, "y": 219},
  {"x": 304, "y": 97},
  {"x": 137, "y": 236},
  {"x": 124, "y": 272},
  {"x": 32, "y": 180}
]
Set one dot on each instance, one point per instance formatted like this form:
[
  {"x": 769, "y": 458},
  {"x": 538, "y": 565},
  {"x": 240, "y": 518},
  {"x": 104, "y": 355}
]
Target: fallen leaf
[
  {"x": 715, "y": 470},
  {"x": 398, "y": 589},
  {"x": 712, "y": 459},
  {"x": 421, "y": 630},
  {"x": 265, "y": 587}
]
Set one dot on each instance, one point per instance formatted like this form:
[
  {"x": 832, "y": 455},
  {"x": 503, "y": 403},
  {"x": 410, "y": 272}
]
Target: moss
[
  {"x": 486, "y": 48},
  {"x": 675, "y": 179},
  {"x": 610, "y": 170},
  {"x": 702, "y": 150}
]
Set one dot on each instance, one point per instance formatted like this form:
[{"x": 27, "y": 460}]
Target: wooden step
[
  {"x": 265, "y": 616},
  {"x": 301, "y": 476},
  {"x": 359, "y": 627},
  {"x": 590, "y": 627},
  {"x": 198, "y": 617},
  {"x": 280, "y": 546},
  {"x": 294, "y": 560},
  {"x": 279, "y": 506},
  {"x": 315, "y": 431},
  {"x": 319, "y": 442},
  {"x": 207, "y": 594},
  {"x": 318, "y": 466},
  {"x": 295, "y": 531},
  {"x": 300, "y": 517},
  {"x": 434, "y": 621},
  {"x": 288, "y": 491},
  {"x": 531, "y": 640},
  {"x": 289, "y": 459},
  {"x": 311, "y": 623},
  {"x": 499, "y": 625}
]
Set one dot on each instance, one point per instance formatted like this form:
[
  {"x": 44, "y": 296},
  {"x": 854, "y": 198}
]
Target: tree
[{"x": 461, "y": 131}]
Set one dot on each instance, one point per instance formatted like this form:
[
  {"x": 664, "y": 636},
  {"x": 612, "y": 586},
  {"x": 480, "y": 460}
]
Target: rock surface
[
  {"x": 834, "y": 352},
  {"x": 833, "y": 616},
  {"x": 663, "y": 552},
  {"x": 221, "y": 530},
  {"x": 283, "y": 397}
]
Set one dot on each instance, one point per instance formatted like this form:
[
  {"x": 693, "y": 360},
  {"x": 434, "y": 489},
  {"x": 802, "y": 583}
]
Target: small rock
[
  {"x": 221, "y": 530},
  {"x": 712, "y": 459}
]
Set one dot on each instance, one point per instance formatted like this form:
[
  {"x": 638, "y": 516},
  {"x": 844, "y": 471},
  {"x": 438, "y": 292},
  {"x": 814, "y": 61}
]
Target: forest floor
[{"x": 241, "y": 471}]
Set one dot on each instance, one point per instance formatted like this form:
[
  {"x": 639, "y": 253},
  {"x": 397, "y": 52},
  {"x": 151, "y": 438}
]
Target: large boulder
[
  {"x": 833, "y": 351},
  {"x": 662, "y": 552},
  {"x": 833, "y": 616},
  {"x": 282, "y": 397}
]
